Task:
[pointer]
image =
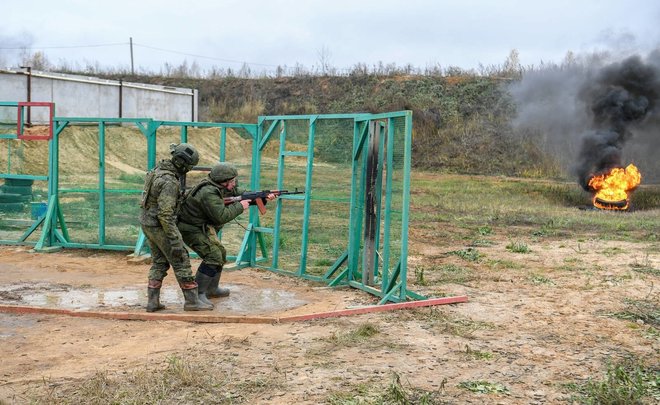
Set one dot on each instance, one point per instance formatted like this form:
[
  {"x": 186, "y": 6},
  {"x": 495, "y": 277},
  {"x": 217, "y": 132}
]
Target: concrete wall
[{"x": 81, "y": 96}]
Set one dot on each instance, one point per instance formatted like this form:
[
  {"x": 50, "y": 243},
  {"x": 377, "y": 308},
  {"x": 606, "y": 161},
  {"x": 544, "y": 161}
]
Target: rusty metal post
[
  {"x": 121, "y": 97},
  {"x": 29, "y": 93}
]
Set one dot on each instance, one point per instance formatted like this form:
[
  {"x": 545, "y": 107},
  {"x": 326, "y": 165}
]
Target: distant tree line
[
  {"x": 192, "y": 70},
  {"x": 462, "y": 118}
]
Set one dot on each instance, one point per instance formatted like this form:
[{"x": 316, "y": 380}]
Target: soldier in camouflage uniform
[
  {"x": 161, "y": 199},
  {"x": 203, "y": 214}
]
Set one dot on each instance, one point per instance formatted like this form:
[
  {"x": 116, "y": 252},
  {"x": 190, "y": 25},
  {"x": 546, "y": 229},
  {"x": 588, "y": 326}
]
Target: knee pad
[{"x": 208, "y": 269}]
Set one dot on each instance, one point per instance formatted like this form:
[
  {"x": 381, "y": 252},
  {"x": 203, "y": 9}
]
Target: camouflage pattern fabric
[
  {"x": 206, "y": 244},
  {"x": 161, "y": 198},
  {"x": 204, "y": 208},
  {"x": 160, "y": 203},
  {"x": 166, "y": 252}
]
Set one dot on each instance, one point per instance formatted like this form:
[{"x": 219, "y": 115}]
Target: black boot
[
  {"x": 153, "y": 295},
  {"x": 214, "y": 272},
  {"x": 215, "y": 291},
  {"x": 192, "y": 299},
  {"x": 203, "y": 282}
]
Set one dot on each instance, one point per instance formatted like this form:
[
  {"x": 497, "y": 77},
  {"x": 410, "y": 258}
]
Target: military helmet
[
  {"x": 184, "y": 155},
  {"x": 222, "y": 172}
]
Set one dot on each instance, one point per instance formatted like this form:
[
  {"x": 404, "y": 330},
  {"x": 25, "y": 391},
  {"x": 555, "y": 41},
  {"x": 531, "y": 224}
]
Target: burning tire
[
  {"x": 610, "y": 205},
  {"x": 612, "y": 189}
]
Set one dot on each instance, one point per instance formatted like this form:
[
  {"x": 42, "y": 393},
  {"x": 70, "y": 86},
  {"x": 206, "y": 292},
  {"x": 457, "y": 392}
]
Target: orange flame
[{"x": 611, "y": 189}]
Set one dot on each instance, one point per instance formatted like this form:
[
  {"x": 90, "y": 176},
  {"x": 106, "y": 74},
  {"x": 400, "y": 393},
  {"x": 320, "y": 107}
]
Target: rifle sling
[{"x": 202, "y": 184}]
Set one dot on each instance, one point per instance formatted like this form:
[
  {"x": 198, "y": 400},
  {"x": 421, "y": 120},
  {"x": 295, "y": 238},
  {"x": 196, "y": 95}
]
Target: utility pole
[{"x": 132, "y": 69}]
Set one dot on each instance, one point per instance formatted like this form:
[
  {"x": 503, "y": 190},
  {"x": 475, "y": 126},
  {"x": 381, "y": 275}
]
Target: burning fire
[{"x": 612, "y": 188}]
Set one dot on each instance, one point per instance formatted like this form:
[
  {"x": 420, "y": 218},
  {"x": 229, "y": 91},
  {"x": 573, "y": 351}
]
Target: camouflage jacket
[
  {"x": 161, "y": 198},
  {"x": 204, "y": 205}
]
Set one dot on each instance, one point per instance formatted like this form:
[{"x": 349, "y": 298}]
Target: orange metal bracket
[{"x": 19, "y": 123}]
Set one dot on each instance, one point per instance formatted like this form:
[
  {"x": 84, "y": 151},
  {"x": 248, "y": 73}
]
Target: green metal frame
[
  {"x": 54, "y": 238},
  {"x": 356, "y": 266},
  {"x": 388, "y": 284}
]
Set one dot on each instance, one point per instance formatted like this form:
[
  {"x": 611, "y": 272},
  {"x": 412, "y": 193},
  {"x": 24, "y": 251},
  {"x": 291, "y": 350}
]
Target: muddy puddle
[
  {"x": 244, "y": 300},
  {"x": 9, "y": 324}
]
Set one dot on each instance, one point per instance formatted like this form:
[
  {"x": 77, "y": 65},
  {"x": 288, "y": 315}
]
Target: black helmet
[
  {"x": 184, "y": 156},
  {"x": 222, "y": 172}
]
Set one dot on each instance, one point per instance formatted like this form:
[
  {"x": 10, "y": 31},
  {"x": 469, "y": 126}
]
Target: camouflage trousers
[
  {"x": 206, "y": 244},
  {"x": 165, "y": 253}
]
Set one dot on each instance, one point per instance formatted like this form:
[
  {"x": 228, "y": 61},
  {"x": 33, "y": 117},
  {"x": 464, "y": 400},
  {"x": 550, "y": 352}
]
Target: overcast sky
[{"x": 265, "y": 34}]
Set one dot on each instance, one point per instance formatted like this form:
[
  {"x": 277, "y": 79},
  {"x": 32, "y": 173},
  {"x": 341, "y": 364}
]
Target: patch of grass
[
  {"x": 646, "y": 311},
  {"x": 645, "y": 267},
  {"x": 629, "y": 382},
  {"x": 566, "y": 267},
  {"x": 549, "y": 228},
  {"x": 395, "y": 393},
  {"x": 652, "y": 333},
  {"x": 578, "y": 249},
  {"x": 572, "y": 260},
  {"x": 436, "y": 319},
  {"x": 346, "y": 398},
  {"x": 645, "y": 199},
  {"x": 259, "y": 385},
  {"x": 477, "y": 354},
  {"x": 484, "y": 387},
  {"x": 356, "y": 336},
  {"x": 485, "y": 230},
  {"x": 132, "y": 178},
  {"x": 181, "y": 381},
  {"x": 615, "y": 279},
  {"x": 284, "y": 241},
  {"x": 564, "y": 194},
  {"x": 469, "y": 254},
  {"x": 419, "y": 276},
  {"x": 542, "y": 208},
  {"x": 572, "y": 264},
  {"x": 613, "y": 251},
  {"x": 539, "y": 279},
  {"x": 518, "y": 247},
  {"x": 355, "y": 395},
  {"x": 333, "y": 251},
  {"x": 481, "y": 243},
  {"x": 324, "y": 262},
  {"x": 503, "y": 264},
  {"x": 451, "y": 273},
  {"x": 398, "y": 394},
  {"x": 236, "y": 342}
]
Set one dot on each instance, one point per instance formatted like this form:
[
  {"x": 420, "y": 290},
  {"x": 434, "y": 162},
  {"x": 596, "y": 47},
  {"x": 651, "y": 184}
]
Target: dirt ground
[{"x": 539, "y": 323}]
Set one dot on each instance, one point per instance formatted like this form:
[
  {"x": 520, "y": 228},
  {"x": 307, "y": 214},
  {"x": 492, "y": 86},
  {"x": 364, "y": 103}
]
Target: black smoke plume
[
  {"x": 619, "y": 97},
  {"x": 594, "y": 112}
]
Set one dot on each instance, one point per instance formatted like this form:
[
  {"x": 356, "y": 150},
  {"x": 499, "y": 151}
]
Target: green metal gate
[{"x": 351, "y": 225}]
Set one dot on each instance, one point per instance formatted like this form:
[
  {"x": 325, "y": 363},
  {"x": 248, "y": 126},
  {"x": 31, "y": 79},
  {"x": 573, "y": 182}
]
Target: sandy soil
[{"x": 543, "y": 323}]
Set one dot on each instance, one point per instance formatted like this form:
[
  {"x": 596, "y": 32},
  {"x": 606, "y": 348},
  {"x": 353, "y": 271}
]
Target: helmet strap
[{"x": 180, "y": 165}]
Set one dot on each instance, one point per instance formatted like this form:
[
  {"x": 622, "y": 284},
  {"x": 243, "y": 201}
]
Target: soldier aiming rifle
[{"x": 206, "y": 208}]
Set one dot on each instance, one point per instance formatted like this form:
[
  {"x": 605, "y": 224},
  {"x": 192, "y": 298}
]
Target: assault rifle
[{"x": 258, "y": 198}]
